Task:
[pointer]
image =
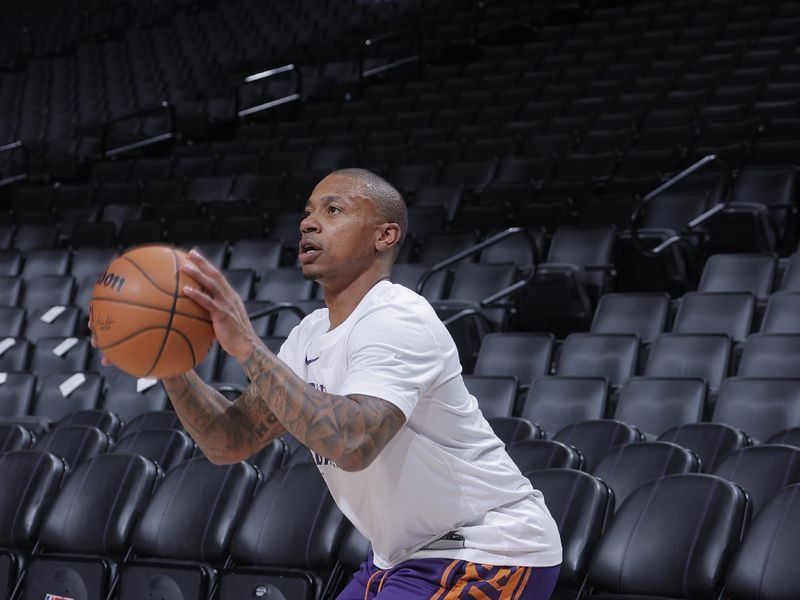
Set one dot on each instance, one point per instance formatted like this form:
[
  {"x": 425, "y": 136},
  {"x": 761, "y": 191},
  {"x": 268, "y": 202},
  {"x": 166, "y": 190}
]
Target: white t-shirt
[{"x": 445, "y": 469}]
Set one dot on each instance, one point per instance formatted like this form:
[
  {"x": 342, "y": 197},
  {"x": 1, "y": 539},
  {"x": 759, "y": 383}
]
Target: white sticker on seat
[
  {"x": 3, "y": 378},
  {"x": 145, "y": 383},
  {"x": 70, "y": 384},
  {"x": 6, "y": 344},
  {"x": 65, "y": 346},
  {"x": 51, "y": 315}
]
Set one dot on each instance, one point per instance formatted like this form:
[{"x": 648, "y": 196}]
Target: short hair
[{"x": 387, "y": 199}]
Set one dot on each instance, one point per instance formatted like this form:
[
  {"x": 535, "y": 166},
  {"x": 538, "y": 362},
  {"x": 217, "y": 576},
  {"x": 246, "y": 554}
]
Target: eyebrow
[{"x": 330, "y": 198}]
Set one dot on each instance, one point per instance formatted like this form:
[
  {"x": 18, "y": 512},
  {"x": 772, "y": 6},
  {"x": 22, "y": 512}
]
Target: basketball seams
[
  {"x": 145, "y": 275},
  {"x": 156, "y": 308},
  {"x": 171, "y": 311},
  {"x": 189, "y": 344}
]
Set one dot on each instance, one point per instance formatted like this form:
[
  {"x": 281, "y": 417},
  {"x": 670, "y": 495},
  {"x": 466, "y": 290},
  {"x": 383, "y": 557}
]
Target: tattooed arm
[
  {"x": 226, "y": 432},
  {"x": 349, "y": 430}
]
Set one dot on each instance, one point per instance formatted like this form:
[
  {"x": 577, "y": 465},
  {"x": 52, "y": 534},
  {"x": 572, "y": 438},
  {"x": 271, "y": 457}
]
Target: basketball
[{"x": 141, "y": 319}]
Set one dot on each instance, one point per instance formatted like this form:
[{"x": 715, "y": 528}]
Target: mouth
[{"x": 308, "y": 251}]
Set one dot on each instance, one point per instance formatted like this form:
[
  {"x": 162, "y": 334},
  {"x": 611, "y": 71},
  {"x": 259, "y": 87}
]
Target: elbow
[{"x": 357, "y": 457}]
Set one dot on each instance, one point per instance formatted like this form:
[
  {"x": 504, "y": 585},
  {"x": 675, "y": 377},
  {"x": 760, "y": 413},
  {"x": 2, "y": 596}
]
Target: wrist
[{"x": 246, "y": 350}]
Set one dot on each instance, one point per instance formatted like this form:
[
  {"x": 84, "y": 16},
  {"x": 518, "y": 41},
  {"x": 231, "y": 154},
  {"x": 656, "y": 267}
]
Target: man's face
[{"x": 339, "y": 231}]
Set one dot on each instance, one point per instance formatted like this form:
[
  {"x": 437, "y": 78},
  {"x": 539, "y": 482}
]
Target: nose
[{"x": 309, "y": 224}]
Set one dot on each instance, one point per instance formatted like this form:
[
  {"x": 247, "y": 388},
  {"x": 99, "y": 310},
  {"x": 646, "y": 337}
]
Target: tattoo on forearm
[
  {"x": 351, "y": 430},
  {"x": 222, "y": 428}
]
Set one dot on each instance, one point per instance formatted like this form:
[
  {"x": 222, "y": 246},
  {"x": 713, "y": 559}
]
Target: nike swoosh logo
[{"x": 311, "y": 360}]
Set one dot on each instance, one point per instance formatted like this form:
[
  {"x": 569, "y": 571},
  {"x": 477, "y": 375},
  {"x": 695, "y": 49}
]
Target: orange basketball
[{"x": 141, "y": 319}]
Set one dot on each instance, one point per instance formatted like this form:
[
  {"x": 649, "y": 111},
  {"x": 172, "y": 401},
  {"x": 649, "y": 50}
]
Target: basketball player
[{"x": 372, "y": 386}]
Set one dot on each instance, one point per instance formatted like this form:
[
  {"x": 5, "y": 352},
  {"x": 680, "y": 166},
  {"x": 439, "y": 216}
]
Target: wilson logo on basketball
[{"x": 110, "y": 280}]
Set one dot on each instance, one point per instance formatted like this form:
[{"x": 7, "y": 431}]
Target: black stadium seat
[
  {"x": 702, "y": 515},
  {"x": 87, "y": 533}
]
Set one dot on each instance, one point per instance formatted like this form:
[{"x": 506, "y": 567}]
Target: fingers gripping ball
[{"x": 141, "y": 319}]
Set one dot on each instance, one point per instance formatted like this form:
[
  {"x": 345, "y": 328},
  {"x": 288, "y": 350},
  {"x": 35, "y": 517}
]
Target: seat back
[
  {"x": 704, "y": 356},
  {"x": 702, "y": 516},
  {"x": 105, "y": 421},
  {"x": 128, "y": 399},
  {"x": 729, "y": 313},
  {"x": 31, "y": 480},
  {"x": 655, "y": 404},
  {"x": 626, "y": 467},
  {"x": 760, "y": 407},
  {"x": 643, "y": 315},
  {"x": 97, "y": 508},
  {"x": 613, "y": 356},
  {"x": 14, "y": 437},
  {"x": 763, "y": 565},
  {"x": 554, "y": 403},
  {"x": 580, "y": 505},
  {"x": 16, "y": 394},
  {"x": 709, "y": 441},
  {"x": 171, "y": 527},
  {"x": 514, "y": 429},
  {"x": 594, "y": 438},
  {"x": 753, "y": 273},
  {"x": 782, "y": 314},
  {"x": 770, "y": 355},
  {"x": 58, "y": 355},
  {"x": 65, "y": 393},
  {"x": 165, "y": 447},
  {"x": 74, "y": 443},
  {"x": 292, "y": 522},
  {"x": 761, "y": 470},
  {"x": 533, "y": 455},
  {"x": 495, "y": 395},
  {"x": 525, "y": 356},
  {"x": 472, "y": 282},
  {"x": 157, "y": 419}
]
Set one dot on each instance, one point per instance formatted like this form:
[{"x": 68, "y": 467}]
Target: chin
[{"x": 309, "y": 274}]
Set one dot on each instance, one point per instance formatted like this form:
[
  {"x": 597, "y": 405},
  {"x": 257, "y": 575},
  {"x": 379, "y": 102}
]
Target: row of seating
[{"x": 171, "y": 546}]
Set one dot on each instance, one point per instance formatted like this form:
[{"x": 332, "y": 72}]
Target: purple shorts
[{"x": 446, "y": 579}]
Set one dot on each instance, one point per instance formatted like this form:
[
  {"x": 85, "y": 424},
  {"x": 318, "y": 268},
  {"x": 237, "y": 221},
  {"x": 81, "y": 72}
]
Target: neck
[{"x": 341, "y": 302}]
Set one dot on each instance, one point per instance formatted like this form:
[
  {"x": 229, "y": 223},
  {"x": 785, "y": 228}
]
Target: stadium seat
[
  {"x": 514, "y": 429},
  {"x": 14, "y": 356},
  {"x": 728, "y": 313},
  {"x": 704, "y": 356},
  {"x": 534, "y": 454},
  {"x": 107, "y": 422},
  {"x": 781, "y": 314},
  {"x": 594, "y": 438},
  {"x": 177, "y": 548},
  {"x": 61, "y": 393},
  {"x": 14, "y": 437},
  {"x": 761, "y": 471},
  {"x": 770, "y": 355},
  {"x": 581, "y": 506},
  {"x": 47, "y": 290},
  {"x": 165, "y": 447},
  {"x": 761, "y": 566},
  {"x": 157, "y": 419},
  {"x": 702, "y": 515},
  {"x": 256, "y": 255},
  {"x": 74, "y": 443},
  {"x": 495, "y": 394},
  {"x": 624, "y": 468},
  {"x": 287, "y": 541},
  {"x": 51, "y": 321},
  {"x": 654, "y": 404},
  {"x": 643, "y": 315},
  {"x": 710, "y": 441},
  {"x": 613, "y": 356},
  {"x": 128, "y": 398},
  {"x": 32, "y": 479},
  {"x": 284, "y": 285},
  {"x": 554, "y": 403},
  {"x": 525, "y": 356},
  {"x": 759, "y": 407},
  {"x": 270, "y": 458},
  {"x": 86, "y": 534},
  {"x": 754, "y": 273}
]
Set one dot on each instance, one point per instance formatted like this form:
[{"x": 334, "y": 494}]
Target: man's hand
[{"x": 229, "y": 318}]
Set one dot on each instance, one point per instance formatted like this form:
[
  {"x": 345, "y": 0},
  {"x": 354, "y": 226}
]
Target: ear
[{"x": 388, "y": 237}]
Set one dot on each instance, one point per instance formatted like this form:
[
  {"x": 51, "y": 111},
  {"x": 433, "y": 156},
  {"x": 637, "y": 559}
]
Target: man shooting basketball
[{"x": 372, "y": 386}]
